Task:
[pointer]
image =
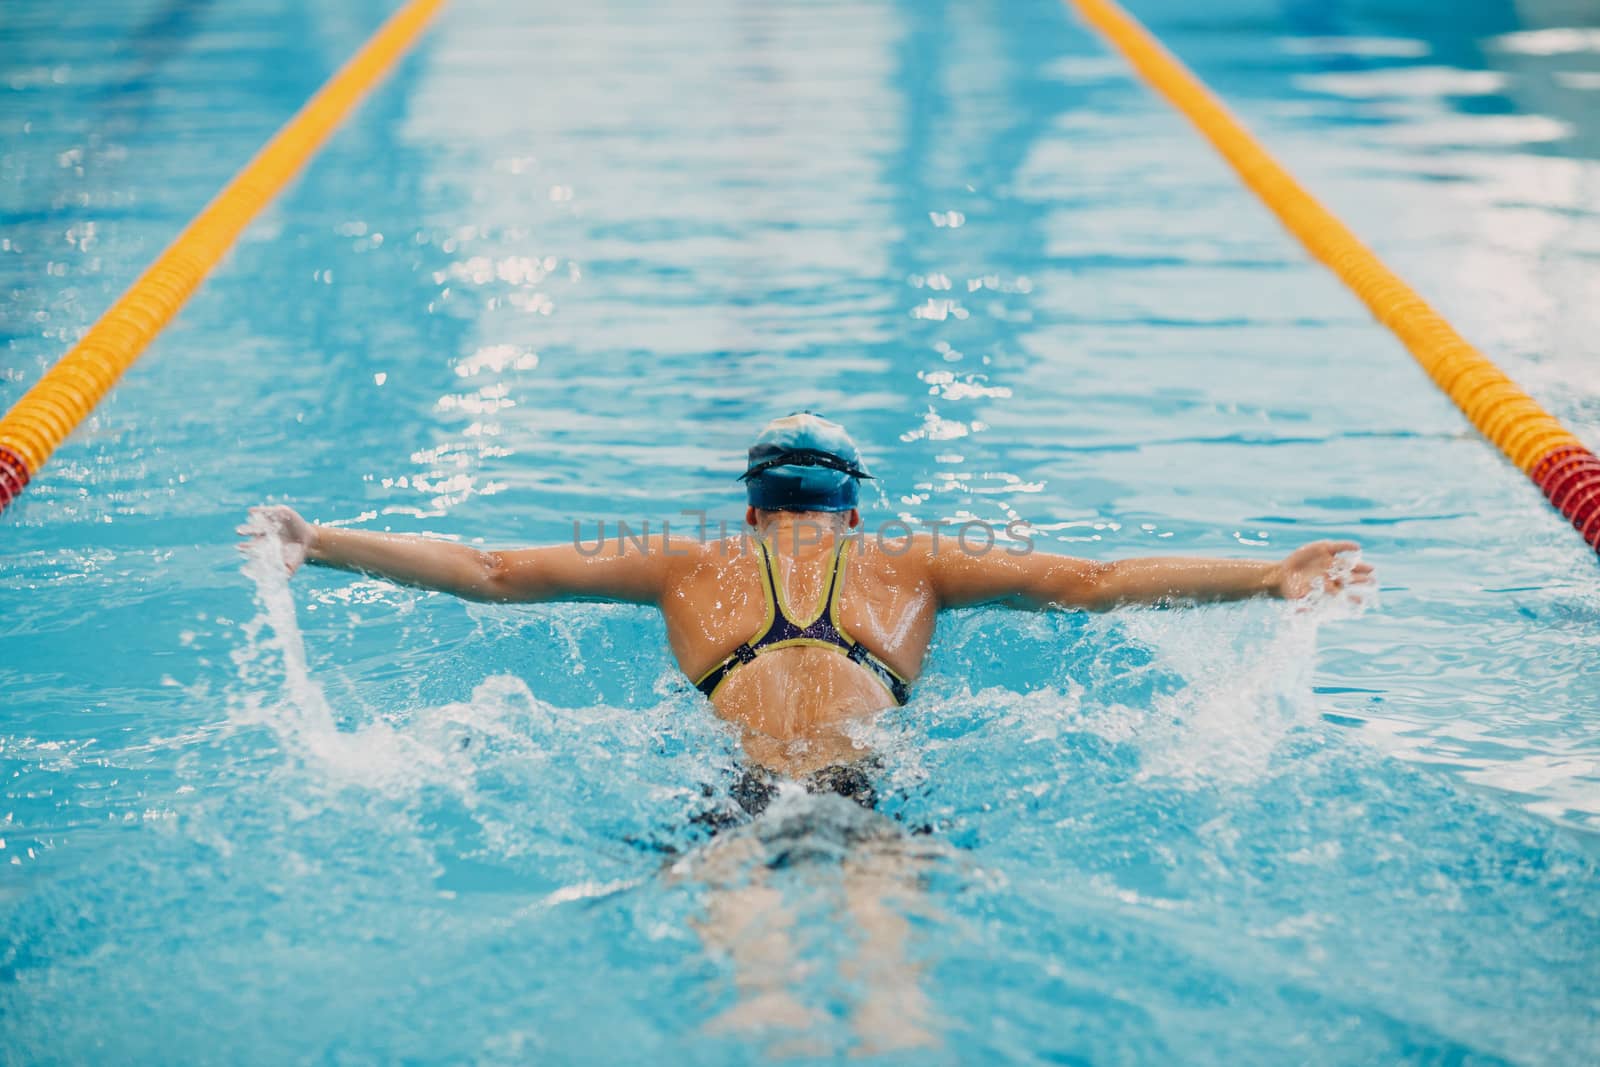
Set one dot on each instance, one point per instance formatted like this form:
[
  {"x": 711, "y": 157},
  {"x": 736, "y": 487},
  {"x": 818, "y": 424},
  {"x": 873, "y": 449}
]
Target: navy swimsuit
[{"x": 823, "y": 630}]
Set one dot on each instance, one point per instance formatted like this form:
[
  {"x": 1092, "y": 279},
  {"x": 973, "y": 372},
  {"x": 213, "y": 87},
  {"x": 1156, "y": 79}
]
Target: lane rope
[
  {"x": 1561, "y": 466},
  {"x": 37, "y": 424}
]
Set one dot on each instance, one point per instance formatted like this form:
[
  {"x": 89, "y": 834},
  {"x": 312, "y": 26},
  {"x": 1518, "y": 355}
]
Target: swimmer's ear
[
  {"x": 750, "y": 517},
  {"x": 854, "y": 518}
]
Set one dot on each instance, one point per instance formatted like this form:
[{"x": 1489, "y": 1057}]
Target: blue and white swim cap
[{"x": 803, "y": 462}]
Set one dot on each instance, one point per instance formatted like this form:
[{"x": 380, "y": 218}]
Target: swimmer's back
[{"x": 795, "y": 703}]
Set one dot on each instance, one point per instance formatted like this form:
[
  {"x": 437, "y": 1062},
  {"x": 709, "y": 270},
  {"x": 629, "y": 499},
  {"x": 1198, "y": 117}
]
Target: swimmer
[
  {"x": 803, "y": 627},
  {"x": 797, "y": 631}
]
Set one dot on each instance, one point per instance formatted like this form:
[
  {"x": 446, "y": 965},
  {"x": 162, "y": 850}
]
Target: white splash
[
  {"x": 1248, "y": 672},
  {"x": 374, "y": 755}
]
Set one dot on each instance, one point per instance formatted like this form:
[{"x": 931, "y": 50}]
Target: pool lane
[
  {"x": 1559, "y": 464},
  {"x": 37, "y": 424}
]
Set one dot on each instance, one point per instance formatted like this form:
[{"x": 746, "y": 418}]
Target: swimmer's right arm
[{"x": 526, "y": 575}]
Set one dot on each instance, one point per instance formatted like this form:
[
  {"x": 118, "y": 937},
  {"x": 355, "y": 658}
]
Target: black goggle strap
[{"x": 806, "y": 457}]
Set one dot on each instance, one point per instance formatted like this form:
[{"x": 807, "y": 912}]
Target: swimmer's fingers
[
  {"x": 1326, "y": 550},
  {"x": 273, "y": 514},
  {"x": 1325, "y": 565},
  {"x": 278, "y": 524},
  {"x": 291, "y": 561},
  {"x": 1339, "y": 579},
  {"x": 1350, "y": 584},
  {"x": 262, "y": 522},
  {"x": 1346, "y": 571},
  {"x": 1354, "y": 570},
  {"x": 276, "y": 520}
]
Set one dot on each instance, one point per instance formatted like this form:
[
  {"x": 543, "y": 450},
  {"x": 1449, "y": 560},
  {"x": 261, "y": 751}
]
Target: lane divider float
[
  {"x": 37, "y": 424},
  {"x": 1561, "y": 466}
]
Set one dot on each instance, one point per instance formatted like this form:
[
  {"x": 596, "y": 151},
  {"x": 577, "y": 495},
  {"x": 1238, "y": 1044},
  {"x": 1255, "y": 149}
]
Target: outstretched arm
[
  {"x": 1038, "y": 580},
  {"x": 525, "y": 575}
]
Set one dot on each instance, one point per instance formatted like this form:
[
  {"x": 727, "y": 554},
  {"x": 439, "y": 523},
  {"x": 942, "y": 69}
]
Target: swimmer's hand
[
  {"x": 1321, "y": 565},
  {"x": 279, "y": 523}
]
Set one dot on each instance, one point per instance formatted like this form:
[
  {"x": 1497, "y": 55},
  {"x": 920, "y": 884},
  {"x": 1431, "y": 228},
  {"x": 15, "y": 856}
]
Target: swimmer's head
[{"x": 803, "y": 462}]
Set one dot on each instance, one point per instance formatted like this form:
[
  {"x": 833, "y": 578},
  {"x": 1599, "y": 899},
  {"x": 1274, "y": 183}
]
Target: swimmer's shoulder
[
  {"x": 895, "y": 553},
  {"x": 692, "y": 557}
]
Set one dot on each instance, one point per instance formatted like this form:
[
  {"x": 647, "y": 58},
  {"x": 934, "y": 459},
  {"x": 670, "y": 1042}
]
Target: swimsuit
[
  {"x": 809, "y": 833},
  {"x": 757, "y": 787},
  {"x": 823, "y": 630}
]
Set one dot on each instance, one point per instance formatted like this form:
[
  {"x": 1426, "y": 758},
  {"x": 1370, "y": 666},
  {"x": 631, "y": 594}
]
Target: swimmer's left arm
[{"x": 1040, "y": 580}]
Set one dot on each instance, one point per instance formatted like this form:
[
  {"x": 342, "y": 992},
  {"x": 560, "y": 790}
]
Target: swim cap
[{"x": 803, "y": 462}]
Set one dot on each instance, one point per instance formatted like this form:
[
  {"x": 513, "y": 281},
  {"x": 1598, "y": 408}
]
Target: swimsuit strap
[
  {"x": 769, "y": 589},
  {"x": 830, "y": 610},
  {"x": 746, "y": 652},
  {"x": 822, "y": 629},
  {"x": 835, "y": 590},
  {"x": 858, "y": 652},
  {"x": 785, "y": 625}
]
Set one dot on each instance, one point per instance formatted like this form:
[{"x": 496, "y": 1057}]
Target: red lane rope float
[
  {"x": 37, "y": 424},
  {"x": 13, "y": 476},
  {"x": 1564, "y": 470}
]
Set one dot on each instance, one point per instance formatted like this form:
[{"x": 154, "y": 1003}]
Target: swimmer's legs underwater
[
  {"x": 876, "y": 882},
  {"x": 881, "y": 887},
  {"x": 747, "y": 921}
]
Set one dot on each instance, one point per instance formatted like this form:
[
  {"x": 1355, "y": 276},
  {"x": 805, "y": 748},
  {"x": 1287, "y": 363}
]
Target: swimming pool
[{"x": 560, "y": 267}]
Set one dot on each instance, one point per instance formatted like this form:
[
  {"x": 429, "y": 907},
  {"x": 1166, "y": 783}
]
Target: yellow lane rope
[
  {"x": 1566, "y": 471},
  {"x": 38, "y": 423}
]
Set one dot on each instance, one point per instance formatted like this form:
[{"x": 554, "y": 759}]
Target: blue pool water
[{"x": 561, "y": 266}]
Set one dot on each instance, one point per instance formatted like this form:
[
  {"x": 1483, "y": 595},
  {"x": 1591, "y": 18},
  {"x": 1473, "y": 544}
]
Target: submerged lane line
[
  {"x": 1564, "y": 470},
  {"x": 44, "y": 416}
]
